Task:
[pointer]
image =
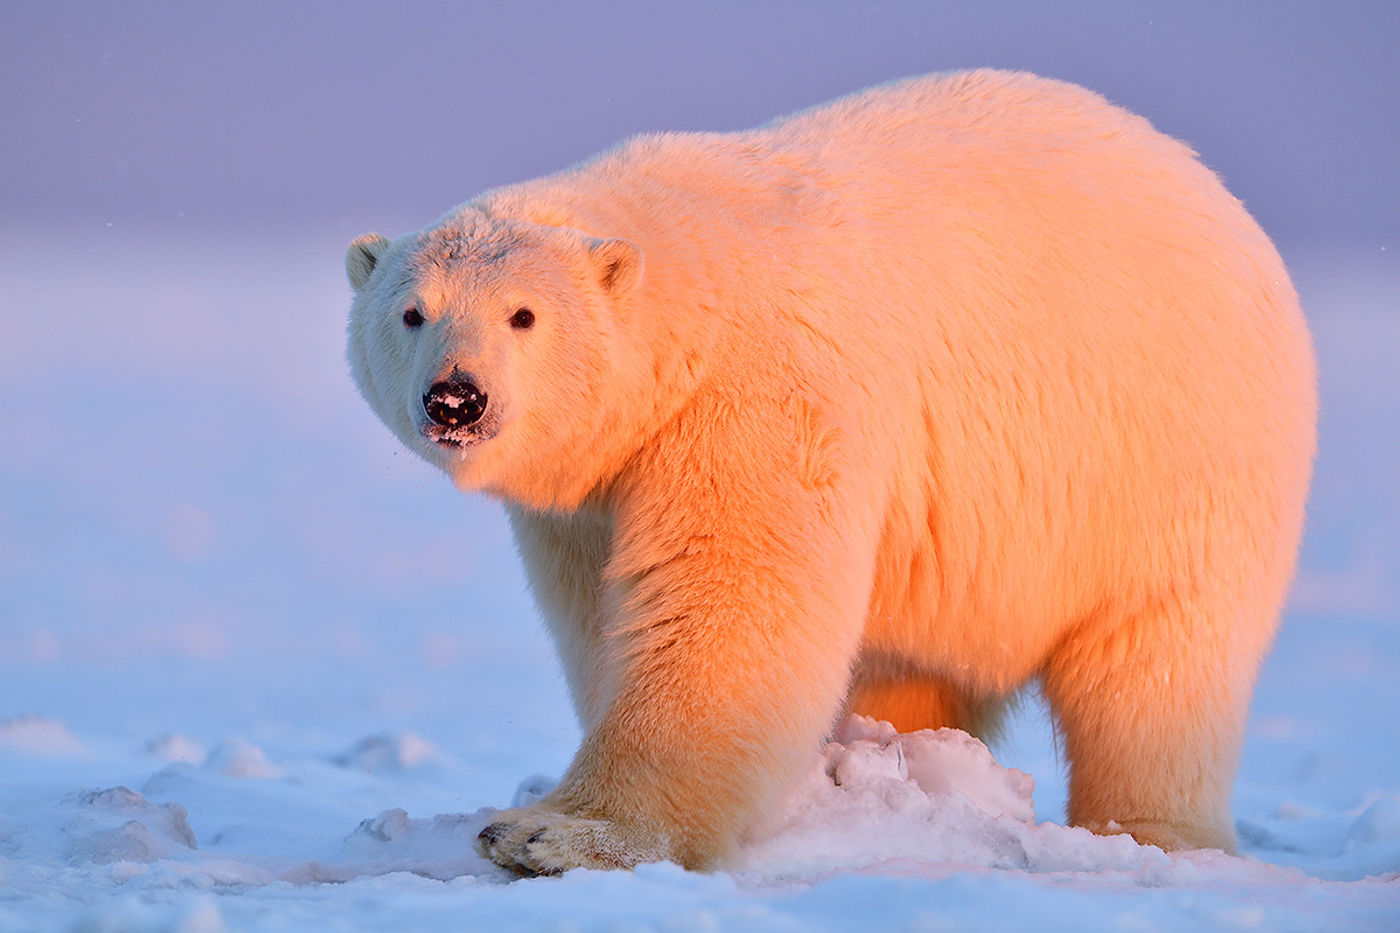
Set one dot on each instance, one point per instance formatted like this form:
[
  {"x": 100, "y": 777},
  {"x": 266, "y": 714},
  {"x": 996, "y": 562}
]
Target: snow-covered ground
[{"x": 260, "y": 670}]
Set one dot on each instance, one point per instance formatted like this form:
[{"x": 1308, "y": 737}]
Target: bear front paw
[{"x": 537, "y": 841}]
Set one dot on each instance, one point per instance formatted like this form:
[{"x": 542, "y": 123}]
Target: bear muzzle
[{"x": 454, "y": 406}]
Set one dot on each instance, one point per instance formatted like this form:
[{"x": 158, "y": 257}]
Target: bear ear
[
  {"x": 361, "y": 257},
  {"x": 619, "y": 264}
]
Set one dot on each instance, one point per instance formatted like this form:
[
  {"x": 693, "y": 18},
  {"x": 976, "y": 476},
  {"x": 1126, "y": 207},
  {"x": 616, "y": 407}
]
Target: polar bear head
[{"x": 487, "y": 344}]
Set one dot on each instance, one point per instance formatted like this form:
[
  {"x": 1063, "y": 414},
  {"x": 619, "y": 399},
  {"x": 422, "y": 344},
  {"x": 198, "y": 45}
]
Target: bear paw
[
  {"x": 1178, "y": 836},
  {"x": 535, "y": 840}
]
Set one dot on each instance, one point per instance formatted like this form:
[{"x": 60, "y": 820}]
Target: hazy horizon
[{"x": 360, "y": 114}]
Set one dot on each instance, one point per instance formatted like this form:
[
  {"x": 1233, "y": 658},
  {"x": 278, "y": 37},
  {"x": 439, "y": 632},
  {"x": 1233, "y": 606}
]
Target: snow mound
[
  {"x": 935, "y": 797},
  {"x": 394, "y": 752},
  {"x": 240, "y": 759},
  {"x": 175, "y": 747},
  {"x": 1371, "y": 846},
  {"x": 940, "y": 762},
  {"x": 532, "y": 789},
  {"x": 443, "y": 847},
  {"x": 119, "y": 825},
  {"x": 1379, "y": 822},
  {"x": 39, "y": 735}
]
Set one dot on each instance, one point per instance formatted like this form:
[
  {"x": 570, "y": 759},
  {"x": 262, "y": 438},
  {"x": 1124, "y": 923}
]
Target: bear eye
[
  {"x": 523, "y": 319},
  {"x": 412, "y": 318}
]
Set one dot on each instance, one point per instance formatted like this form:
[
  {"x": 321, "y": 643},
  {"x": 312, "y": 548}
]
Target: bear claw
[{"x": 491, "y": 835}]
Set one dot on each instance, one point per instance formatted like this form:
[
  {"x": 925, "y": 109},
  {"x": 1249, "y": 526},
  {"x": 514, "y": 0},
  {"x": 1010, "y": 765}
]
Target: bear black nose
[{"x": 455, "y": 402}]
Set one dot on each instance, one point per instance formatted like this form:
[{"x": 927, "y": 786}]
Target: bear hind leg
[{"x": 1152, "y": 714}]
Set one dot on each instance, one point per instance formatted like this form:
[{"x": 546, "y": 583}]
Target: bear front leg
[
  {"x": 727, "y": 677},
  {"x": 733, "y": 612},
  {"x": 564, "y": 556}
]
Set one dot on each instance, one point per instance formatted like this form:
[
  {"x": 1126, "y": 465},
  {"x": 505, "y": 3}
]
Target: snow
[
  {"x": 260, "y": 670},
  {"x": 38, "y": 735},
  {"x": 922, "y": 830}
]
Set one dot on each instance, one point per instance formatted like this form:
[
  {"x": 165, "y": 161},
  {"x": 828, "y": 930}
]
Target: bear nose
[{"x": 455, "y": 402}]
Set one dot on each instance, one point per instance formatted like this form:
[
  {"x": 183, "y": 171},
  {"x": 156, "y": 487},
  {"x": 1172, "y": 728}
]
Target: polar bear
[{"x": 889, "y": 406}]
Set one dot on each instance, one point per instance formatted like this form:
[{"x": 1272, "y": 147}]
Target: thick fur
[{"x": 891, "y": 405}]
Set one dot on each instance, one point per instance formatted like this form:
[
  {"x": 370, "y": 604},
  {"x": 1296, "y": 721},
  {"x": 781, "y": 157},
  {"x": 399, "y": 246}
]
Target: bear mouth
[{"x": 459, "y": 438}]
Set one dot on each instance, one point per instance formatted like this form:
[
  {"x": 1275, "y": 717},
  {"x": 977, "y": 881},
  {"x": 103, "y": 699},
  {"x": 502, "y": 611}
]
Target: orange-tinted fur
[{"x": 899, "y": 402}]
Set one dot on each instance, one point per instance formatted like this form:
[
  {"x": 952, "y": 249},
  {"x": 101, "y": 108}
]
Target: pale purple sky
[{"x": 377, "y": 114}]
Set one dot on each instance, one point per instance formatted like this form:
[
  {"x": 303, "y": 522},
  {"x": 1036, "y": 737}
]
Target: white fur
[{"x": 893, "y": 404}]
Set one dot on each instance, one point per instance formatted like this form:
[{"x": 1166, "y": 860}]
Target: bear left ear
[
  {"x": 619, "y": 264},
  {"x": 362, "y": 256}
]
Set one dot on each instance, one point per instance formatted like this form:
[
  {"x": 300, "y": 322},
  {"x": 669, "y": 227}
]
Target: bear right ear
[
  {"x": 618, "y": 263},
  {"x": 361, "y": 257}
]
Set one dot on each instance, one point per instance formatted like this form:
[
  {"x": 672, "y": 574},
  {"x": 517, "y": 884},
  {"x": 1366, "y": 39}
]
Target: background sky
[{"x": 365, "y": 113}]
